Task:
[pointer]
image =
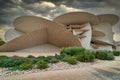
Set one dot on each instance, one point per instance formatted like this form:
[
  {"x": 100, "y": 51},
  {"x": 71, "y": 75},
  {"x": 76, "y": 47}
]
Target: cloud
[
  {"x": 49, "y": 9},
  {"x": 48, "y": 4}
]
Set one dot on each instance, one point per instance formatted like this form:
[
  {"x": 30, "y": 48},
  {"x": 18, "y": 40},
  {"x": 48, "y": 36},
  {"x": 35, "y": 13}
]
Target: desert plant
[
  {"x": 116, "y": 53},
  {"x": 110, "y": 56},
  {"x": 2, "y": 42},
  {"x": 30, "y": 56},
  {"x": 72, "y": 50},
  {"x": 54, "y": 60},
  {"x": 26, "y": 65},
  {"x": 87, "y": 56},
  {"x": 104, "y": 55},
  {"x": 4, "y": 57},
  {"x": 42, "y": 64},
  {"x": 70, "y": 60}
]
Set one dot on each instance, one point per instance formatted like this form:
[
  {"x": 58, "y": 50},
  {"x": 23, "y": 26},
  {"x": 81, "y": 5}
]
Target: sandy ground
[
  {"x": 43, "y": 50},
  {"x": 25, "y": 54},
  {"x": 109, "y": 70}
]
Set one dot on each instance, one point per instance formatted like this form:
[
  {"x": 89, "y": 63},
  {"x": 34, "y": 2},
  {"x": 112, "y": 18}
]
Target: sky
[{"x": 49, "y": 9}]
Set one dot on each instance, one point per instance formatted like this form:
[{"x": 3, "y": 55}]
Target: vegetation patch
[
  {"x": 104, "y": 55},
  {"x": 42, "y": 64},
  {"x": 116, "y": 53},
  {"x": 71, "y": 55},
  {"x": 70, "y": 60},
  {"x": 2, "y": 42},
  {"x": 87, "y": 56}
]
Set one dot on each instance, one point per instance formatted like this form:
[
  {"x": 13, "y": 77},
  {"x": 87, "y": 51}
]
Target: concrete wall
[
  {"x": 25, "y": 41},
  {"x": 12, "y": 34},
  {"x": 61, "y": 37},
  {"x": 87, "y": 40},
  {"x": 52, "y": 33},
  {"x": 118, "y": 48},
  {"x": 106, "y": 28},
  {"x": 30, "y": 23}
]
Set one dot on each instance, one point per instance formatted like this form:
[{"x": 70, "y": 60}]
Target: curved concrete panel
[
  {"x": 61, "y": 37},
  {"x": 97, "y": 34},
  {"x": 54, "y": 34},
  {"x": 77, "y": 18},
  {"x": 11, "y": 34},
  {"x": 25, "y": 41},
  {"x": 30, "y": 23},
  {"x": 87, "y": 40},
  {"x": 105, "y": 28},
  {"x": 109, "y": 18}
]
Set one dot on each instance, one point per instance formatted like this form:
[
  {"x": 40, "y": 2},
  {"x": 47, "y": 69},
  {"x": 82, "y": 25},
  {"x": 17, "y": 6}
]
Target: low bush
[
  {"x": 10, "y": 61},
  {"x": 1, "y": 42},
  {"x": 30, "y": 56},
  {"x": 87, "y": 56},
  {"x": 104, "y": 55},
  {"x": 59, "y": 57},
  {"x": 116, "y": 53},
  {"x": 54, "y": 60},
  {"x": 70, "y": 60},
  {"x": 26, "y": 65},
  {"x": 14, "y": 68},
  {"x": 4, "y": 57},
  {"x": 110, "y": 56},
  {"x": 42, "y": 64},
  {"x": 72, "y": 50}
]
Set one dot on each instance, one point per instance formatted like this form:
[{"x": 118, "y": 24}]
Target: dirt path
[{"x": 109, "y": 70}]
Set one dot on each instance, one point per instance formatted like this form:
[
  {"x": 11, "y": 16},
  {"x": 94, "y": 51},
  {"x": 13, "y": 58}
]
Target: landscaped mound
[{"x": 72, "y": 55}]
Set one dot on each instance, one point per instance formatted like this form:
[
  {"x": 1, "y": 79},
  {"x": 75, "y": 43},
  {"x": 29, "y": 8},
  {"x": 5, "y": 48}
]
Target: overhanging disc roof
[
  {"x": 30, "y": 23},
  {"x": 97, "y": 34},
  {"x": 110, "y": 18},
  {"x": 77, "y": 18}
]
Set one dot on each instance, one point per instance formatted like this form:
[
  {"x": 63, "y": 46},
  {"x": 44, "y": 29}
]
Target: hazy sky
[{"x": 10, "y": 9}]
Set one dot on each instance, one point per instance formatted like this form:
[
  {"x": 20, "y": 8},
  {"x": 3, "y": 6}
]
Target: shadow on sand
[{"x": 107, "y": 75}]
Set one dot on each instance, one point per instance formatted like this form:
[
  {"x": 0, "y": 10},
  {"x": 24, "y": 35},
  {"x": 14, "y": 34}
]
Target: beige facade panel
[
  {"x": 61, "y": 37},
  {"x": 97, "y": 34},
  {"x": 101, "y": 42},
  {"x": 105, "y": 28},
  {"x": 77, "y": 18},
  {"x": 108, "y": 18},
  {"x": 30, "y": 23},
  {"x": 52, "y": 33},
  {"x": 11, "y": 34},
  {"x": 25, "y": 41}
]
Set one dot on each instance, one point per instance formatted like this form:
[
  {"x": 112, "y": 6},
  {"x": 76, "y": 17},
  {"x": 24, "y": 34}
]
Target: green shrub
[
  {"x": 14, "y": 68},
  {"x": 18, "y": 61},
  {"x": 104, "y": 55},
  {"x": 116, "y": 53},
  {"x": 6, "y": 62},
  {"x": 3, "y": 57},
  {"x": 54, "y": 60},
  {"x": 48, "y": 58},
  {"x": 70, "y": 60},
  {"x": 1, "y": 42},
  {"x": 30, "y": 56},
  {"x": 110, "y": 56},
  {"x": 59, "y": 57},
  {"x": 42, "y": 64},
  {"x": 72, "y": 50},
  {"x": 87, "y": 56},
  {"x": 26, "y": 65}
]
